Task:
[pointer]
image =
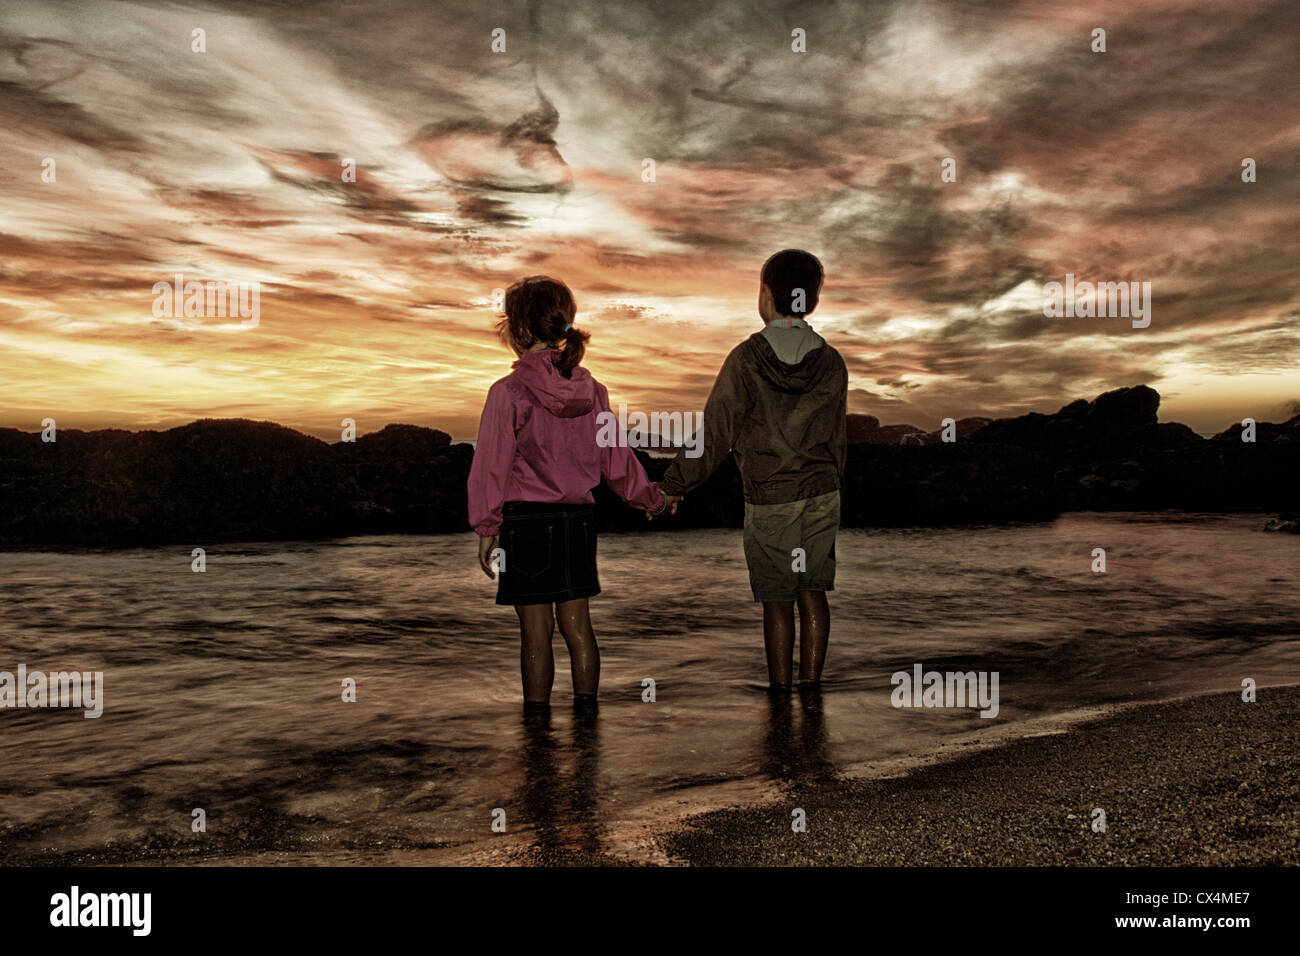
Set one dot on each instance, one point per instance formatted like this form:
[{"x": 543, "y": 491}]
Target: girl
[{"x": 530, "y": 485}]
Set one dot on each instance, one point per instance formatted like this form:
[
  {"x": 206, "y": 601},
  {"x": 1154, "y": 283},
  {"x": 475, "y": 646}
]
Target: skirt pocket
[
  {"x": 530, "y": 548},
  {"x": 588, "y": 539}
]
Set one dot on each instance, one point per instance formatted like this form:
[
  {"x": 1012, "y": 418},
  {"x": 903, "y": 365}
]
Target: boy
[{"x": 780, "y": 403}]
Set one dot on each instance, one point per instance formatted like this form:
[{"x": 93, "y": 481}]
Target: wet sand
[
  {"x": 1202, "y": 781},
  {"x": 1198, "y": 781}
]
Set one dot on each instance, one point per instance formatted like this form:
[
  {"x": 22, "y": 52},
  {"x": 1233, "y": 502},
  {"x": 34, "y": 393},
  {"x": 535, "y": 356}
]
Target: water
[{"x": 223, "y": 689}]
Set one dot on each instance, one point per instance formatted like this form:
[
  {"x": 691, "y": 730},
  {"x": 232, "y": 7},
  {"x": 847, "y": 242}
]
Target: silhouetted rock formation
[
  {"x": 867, "y": 430},
  {"x": 225, "y": 480},
  {"x": 232, "y": 479},
  {"x": 407, "y": 478},
  {"x": 1112, "y": 454}
]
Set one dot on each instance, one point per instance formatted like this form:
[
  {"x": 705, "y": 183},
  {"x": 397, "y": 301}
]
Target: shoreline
[
  {"x": 237, "y": 543},
  {"x": 1200, "y": 779}
]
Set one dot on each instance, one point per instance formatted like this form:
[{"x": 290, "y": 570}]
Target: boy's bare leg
[
  {"x": 814, "y": 633},
  {"x": 584, "y": 656},
  {"x": 536, "y": 661},
  {"x": 778, "y": 639}
]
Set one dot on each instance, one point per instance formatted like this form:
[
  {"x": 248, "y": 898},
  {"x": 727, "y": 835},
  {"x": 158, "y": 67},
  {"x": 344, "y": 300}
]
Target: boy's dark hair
[
  {"x": 792, "y": 269},
  {"x": 537, "y": 310}
]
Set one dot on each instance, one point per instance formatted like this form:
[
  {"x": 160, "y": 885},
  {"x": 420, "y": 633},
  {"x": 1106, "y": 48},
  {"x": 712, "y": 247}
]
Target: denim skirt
[{"x": 549, "y": 553}]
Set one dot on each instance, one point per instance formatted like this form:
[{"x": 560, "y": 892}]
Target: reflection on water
[
  {"x": 559, "y": 792},
  {"x": 223, "y": 689},
  {"x": 796, "y": 748}
]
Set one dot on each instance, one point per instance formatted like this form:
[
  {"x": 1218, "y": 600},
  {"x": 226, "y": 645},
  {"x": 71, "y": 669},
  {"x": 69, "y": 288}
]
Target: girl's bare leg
[
  {"x": 778, "y": 639},
  {"x": 584, "y": 656},
  {"x": 536, "y": 661},
  {"x": 814, "y": 632}
]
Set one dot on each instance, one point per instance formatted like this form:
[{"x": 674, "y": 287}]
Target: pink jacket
[{"x": 537, "y": 442}]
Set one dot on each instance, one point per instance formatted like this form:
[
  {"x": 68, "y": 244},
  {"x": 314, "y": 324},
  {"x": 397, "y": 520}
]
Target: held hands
[
  {"x": 669, "y": 507},
  {"x": 485, "y": 548}
]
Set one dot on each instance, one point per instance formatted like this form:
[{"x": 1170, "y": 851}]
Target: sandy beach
[
  {"x": 1202, "y": 781},
  {"x": 1199, "y": 781},
  {"x": 1207, "y": 780}
]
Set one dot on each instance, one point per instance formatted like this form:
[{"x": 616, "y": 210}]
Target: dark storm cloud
[{"x": 475, "y": 167}]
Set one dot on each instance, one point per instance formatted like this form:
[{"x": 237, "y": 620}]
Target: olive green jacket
[{"x": 786, "y": 424}]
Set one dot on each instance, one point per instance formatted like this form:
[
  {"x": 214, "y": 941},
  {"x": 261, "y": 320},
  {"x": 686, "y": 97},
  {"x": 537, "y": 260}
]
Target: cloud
[{"x": 474, "y": 168}]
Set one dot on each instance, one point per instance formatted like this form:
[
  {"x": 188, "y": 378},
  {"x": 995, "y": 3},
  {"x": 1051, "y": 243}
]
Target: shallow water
[{"x": 223, "y": 689}]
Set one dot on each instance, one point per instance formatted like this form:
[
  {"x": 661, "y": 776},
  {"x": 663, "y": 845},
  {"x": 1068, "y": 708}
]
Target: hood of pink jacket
[{"x": 540, "y": 383}]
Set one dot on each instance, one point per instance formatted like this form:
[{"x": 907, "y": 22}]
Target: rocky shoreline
[{"x": 223, "y": 480}]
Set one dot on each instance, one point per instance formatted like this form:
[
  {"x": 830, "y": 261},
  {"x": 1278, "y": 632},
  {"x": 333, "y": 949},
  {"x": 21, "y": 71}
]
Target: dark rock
[
  {"x": 862, "y": 427},
  {"x": 412, "y": 478},
  {"x": 232, "y": 479},
  {"x": 222, "y": 480},
  {"x": 1125, "y": 408},
  {"x": 1265, "y": 433},
  {"x": 866, "y": 429},
  {"x": 1125, "y": 415},
  {"x": 964, "y": 428}
]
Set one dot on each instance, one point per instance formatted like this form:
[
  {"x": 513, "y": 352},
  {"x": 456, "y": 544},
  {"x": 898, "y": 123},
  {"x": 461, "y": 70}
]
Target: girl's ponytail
[
  {"x": 571, "y": 353},
  {"x": 542, "y": 309}
]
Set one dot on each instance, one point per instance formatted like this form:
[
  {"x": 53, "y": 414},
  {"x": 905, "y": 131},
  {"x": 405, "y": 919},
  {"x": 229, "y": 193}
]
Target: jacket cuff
[{"x": 668, "y": 486}]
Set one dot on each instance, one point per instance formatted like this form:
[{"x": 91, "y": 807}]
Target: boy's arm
[
  {"x": 620, "y": 467},
  {"x": 723, "y": 413},
  {"x": 494, "y": 456},
  {"x": 840, "y": 437}
]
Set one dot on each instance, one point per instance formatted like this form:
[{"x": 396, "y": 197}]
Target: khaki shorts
[{"x": 791, "y": 547}]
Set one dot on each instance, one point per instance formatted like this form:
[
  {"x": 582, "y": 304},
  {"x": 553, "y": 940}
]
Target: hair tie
[{"x": 569, "y": 326}]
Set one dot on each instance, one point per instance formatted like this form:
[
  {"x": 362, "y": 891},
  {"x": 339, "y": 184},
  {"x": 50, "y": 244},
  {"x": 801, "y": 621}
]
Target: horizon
[
  {"x": 474, "y": 168},
  {"x": 329, "y": 435}
]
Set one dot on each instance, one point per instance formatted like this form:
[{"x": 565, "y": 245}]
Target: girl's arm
[
  {"x": 621, "y": 469},
  {"x": 494, "y": 456}
]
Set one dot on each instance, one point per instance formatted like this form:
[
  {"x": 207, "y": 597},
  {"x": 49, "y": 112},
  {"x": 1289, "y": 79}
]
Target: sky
[{"x": 476, "y": 167}]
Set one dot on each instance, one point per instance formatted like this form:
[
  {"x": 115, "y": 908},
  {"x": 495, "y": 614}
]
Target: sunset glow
[{"x": 474, "y": 168}]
